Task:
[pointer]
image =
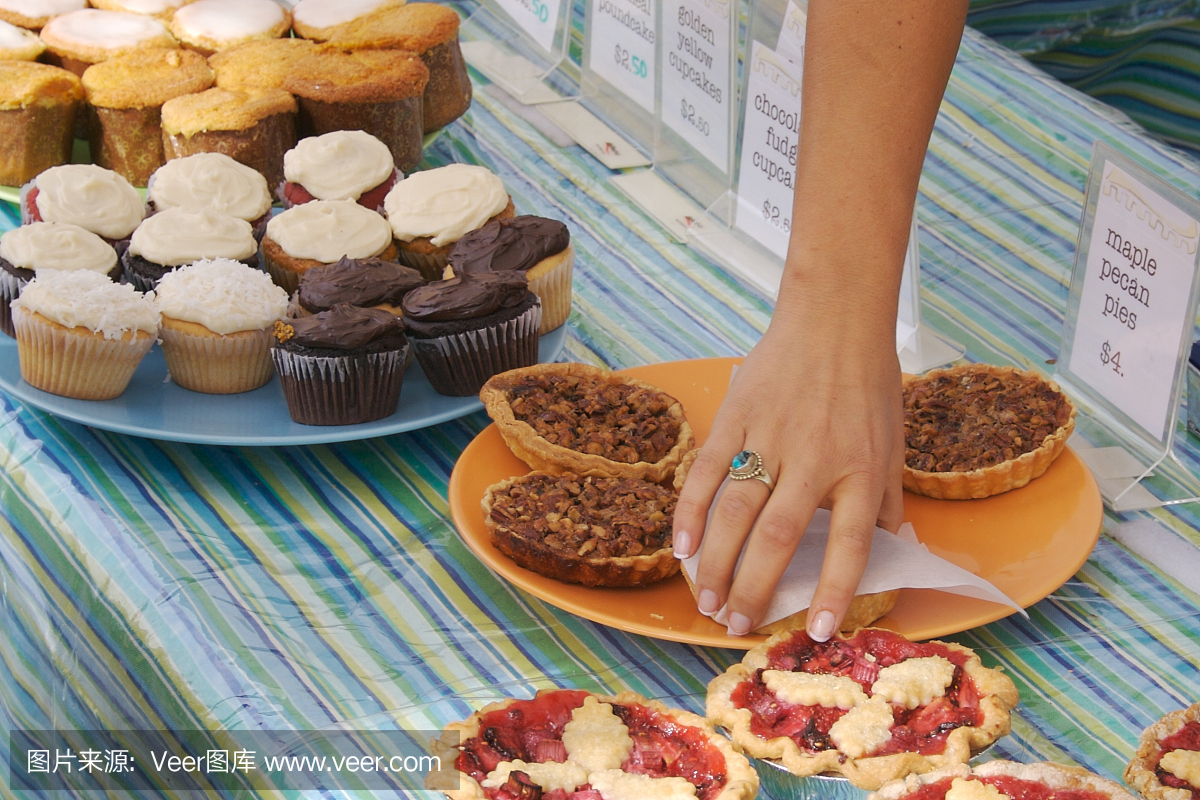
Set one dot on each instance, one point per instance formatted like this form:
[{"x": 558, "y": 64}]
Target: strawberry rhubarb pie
[
  {"x": 1005, "y": 780},
  {"x": 1167, "y": 763}
]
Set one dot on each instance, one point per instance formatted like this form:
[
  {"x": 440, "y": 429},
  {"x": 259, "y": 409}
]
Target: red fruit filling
[
  {"x": 531, "y": 730},
  {"x": 1186, "y": 738},
  {"x": 296, "y": 195},
  {"x": 1015, "y": 788},
  {"x": 31, "y": 209},
  {"x": 922, "y": 730}
]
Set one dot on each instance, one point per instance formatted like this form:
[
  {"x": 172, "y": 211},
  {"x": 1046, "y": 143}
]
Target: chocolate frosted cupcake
[
  {"x": 469, "y": 328},
  {"x": 91, "y": 197},
  {"x": 362, "y": 282},
  {"x": 177, "y": 236},
  {"x": 538, "y": 247},
  {"x": 341, "y": 367},
  {"x": 38, "y": 105}
]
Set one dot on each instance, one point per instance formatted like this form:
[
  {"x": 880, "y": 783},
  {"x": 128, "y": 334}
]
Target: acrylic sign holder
[{"x": 520, "y": 45}]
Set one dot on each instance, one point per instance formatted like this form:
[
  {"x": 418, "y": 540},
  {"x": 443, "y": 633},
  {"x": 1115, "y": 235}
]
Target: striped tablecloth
[{"x": 156, "y": 585}]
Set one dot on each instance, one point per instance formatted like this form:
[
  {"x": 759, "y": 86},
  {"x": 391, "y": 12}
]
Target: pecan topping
[
  {"x": 587, "y": 517},
  {"x": 621, "y": 422},
  {"x": 977, "y": 418}
]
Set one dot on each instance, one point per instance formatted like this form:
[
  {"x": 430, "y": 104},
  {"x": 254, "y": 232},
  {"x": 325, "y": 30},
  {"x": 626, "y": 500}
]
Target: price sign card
[
  {"x": 791, "y": 33},
  {"x": 1133, "y": 294},
  {"x": 538, "y": 18},
  {"x": 696, "y": 88},
  {"x": 770, "y": 133},
  {"x": 622, "y": 47}
]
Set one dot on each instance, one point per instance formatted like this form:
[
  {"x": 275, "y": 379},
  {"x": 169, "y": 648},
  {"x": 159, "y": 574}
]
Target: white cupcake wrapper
[
  {"x": 459, "y": 364},
  {"x": 10, "y": 289},
  {"x": 329, "y": 390},
  {"x": 554, "y": 290},
  {"x": 218, "y": 364}
]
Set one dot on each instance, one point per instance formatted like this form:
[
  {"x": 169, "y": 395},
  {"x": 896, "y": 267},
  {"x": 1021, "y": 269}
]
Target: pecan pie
[
  {"x": 873, "y": 706},
  {"x": 978, "y": 430},
  {"x": 1166, "y": 765},
  {"x": 573, "y": 745},
  {"x": 1005, "y": 780},
  {"x": 590, "y": 421},
  {"x": 590, "y": 530}
]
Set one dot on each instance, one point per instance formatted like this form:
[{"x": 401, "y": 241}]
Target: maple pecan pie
[
  {"x": 1166, "y": 765},
  {"x": 573, "y": 745},
  {"x": 590, "y": 530},
  {"x": 978, "y": 430},
  {"x": 872, "y": 706},
  {"x": 590, "y": 421},
  {"x": 1005, "y": 780}
]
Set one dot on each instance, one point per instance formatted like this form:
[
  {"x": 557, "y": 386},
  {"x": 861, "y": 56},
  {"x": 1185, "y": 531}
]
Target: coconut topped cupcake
[
  {"x": 258, "y": 63},
  {"x": 56, "y": 245},
  {"x": 89, "y": 196},
  {"x": 211, "y": 25},
  {"x": 223, "y": 295},
  {"x": 179, "y": 236},
  {"x": 86, "y": 299},
  {"x": 444, "y": 203},
  {"x": 315, "y": 19},
  {"x": 340, "y": 165},
  {"x": 326, "y": 230},
  {"x": 93, "y": 35},
  {"x": 212, "y": 181},
  {"x": 36, "y": 13},
  {"x": 18, "y": 44}
]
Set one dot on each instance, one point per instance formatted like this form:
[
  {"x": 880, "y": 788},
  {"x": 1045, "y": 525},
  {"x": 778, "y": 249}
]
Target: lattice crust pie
[
  {"x": 1166, "y": 765},
  {"x": 573, "y": 745},
  {"x": 873, "y": 706},
  {"x": 978, "y": 430},
  {"x": 1005, "y": 780},
  {"x": 589, "y": 530},
  {"x": 587, "y": 420}
]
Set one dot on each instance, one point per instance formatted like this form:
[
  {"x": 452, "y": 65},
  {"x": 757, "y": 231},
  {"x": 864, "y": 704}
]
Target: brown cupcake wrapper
[
  {"x": 218, "y": 364},
  {"x": 34, "y": 139},
  {"x": 349, "y": 390},
  {"x": 554, "y": 290},
  {"x": 127, "y": 140},
  {"x": 10, "y": 289},
  {"x": 460, "y": 364},
  {"x": 83, "y": 366},
  {"x": 430, "y": 265},
  {"x": 397, "y": 123},
  {"x": 448, "y": 93}
]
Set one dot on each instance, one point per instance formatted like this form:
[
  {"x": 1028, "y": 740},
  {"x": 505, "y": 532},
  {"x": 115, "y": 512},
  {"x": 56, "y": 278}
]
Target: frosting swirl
[
  {"x": 466, "y": 297},
  {"x": 326, "y": 230},
  {"x": 90, "y": 300},
  {"x": 341, "y": 165},
  {"x": 518, "y": 243},
  {"x": 213, "y": 181},
  {"x": 444, "y": 203},
  {"x": 344, "y": 327},
  {"x": 91, "y": 197},
  {"x": 359, "y": 282},
  {"x": 57, "y": 245},
  {"x": 223, "y": 295},
  {"x": 180, "y": 236}
]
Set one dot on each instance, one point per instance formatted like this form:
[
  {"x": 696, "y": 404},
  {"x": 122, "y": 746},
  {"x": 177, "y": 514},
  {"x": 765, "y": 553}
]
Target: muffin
[
  {"x": 432, "y": 209},
  {"x": 80, "y": 335},
  {"x": 539, "y": 247},
  {"x": 48, "y": 245},
  {"x": 258, "y": 63},
  {"x": 215, "y": 182},
  {"x": 363, "y": 282},
  {"x": 217, "y": 323},
  {"x": 469, "y": 328},
  {"x": 344, "y": 366},
  {"x": 125, "y": 95},
  {"x": 377, "y": 91},
  {"x": 18, "y": 44},
  {"x": 34, "y": 14},
  {"x": 211, "y": 25},
  {"x": 79, "y": 39},
  {"x": 429, "y": 30},
  {"x": 341, "y": 165},
  {"x": 322, "y": 232},
  {"x": 179, "y": 236},
  {"x": 86, "y": 195},
  {"x": 38, "y": 104},
  {"x": 161, "y": 9},
  {"x": 254, "y": 127},
  {"x": 319, "y": 19}
]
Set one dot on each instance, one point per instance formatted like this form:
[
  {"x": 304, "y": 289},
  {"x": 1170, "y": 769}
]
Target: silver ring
[{"x": 748, "y": 465}]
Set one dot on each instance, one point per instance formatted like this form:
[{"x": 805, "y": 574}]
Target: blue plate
[{"x": 155, "y": 408}]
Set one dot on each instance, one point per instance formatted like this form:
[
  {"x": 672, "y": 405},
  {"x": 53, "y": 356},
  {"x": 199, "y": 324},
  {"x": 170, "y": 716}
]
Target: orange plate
[{"x": 1027, "y": 542}]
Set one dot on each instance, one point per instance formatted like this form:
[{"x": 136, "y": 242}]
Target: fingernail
[
  {"x": 820, "y": 627},
  {"x": 707, "y": 602},
  {"x": 739, "y": 624},
  {"x": 683, "y": 544}
]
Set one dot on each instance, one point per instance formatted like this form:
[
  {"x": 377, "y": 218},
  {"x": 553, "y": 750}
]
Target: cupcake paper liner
[
  {"x": 458, "y": 365},
  {"x": 218, "y": 364},
  {"x": 127, "y": 140},
  {"x": 10, "y": 289},
  {"x": 75, "y": 363},
  {"x": 347, "y": 390},
  {"x": 554, "y": 290},
  {"x": 430, "y": 265}
]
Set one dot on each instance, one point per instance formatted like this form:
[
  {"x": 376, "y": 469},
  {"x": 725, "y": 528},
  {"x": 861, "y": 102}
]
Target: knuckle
[
  {"x": 736, "y": 505},
  {"x": 776, "y": 534}
]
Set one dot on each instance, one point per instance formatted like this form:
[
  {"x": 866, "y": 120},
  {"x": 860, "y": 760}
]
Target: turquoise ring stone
[{"x": 747, "y": 466}]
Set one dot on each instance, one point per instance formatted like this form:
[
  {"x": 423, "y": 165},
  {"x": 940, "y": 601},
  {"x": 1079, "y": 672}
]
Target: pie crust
[
  {"x": 1055, "y": 777},
  {"x": 570, "y": 562},
  {"x": 1012, "y": 473},
  {"x": 996, "y": 696},
  {"x": 540, "y": 453},
  {"x": 1142, "y": 772},
  {"x": 741, "y": 781}
]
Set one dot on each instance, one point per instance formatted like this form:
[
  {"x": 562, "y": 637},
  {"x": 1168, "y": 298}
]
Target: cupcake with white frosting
[
  {"x": 318, "y": 19},
  {"x": 431, "y": 210},
  {"x": 217, "y": 319},
  {"x": 322, "y": 232},
  {"x": 213, "y": 182},
  {"x": 340, "y": 165},
  {"x": 160, "y": 9},
  {"x": 94, "y": 198},
  {"x": 34, "y": 14},
  {"x": 211, "y": 25},
  {"x": 82, "y": 38},
  {"x": 178, "y": 236},
  {"x": 18, "y": 44},
  {"x": 80, "y": 335}
]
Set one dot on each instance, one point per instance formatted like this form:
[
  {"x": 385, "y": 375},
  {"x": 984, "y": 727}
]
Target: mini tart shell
[
  {"x": 539, "y": 453},
  {"x": 997, "y": 697},
  {"x": 1047, "y": 773},
  {"x": 1140, "y": 774},
  {"x": 741, "y": 781},
  {"x": 616, "y": 571},
  {"x": 999, "y": 478}
]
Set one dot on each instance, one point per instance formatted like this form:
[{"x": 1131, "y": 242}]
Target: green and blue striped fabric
[{"x": 170, "y": 586}]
